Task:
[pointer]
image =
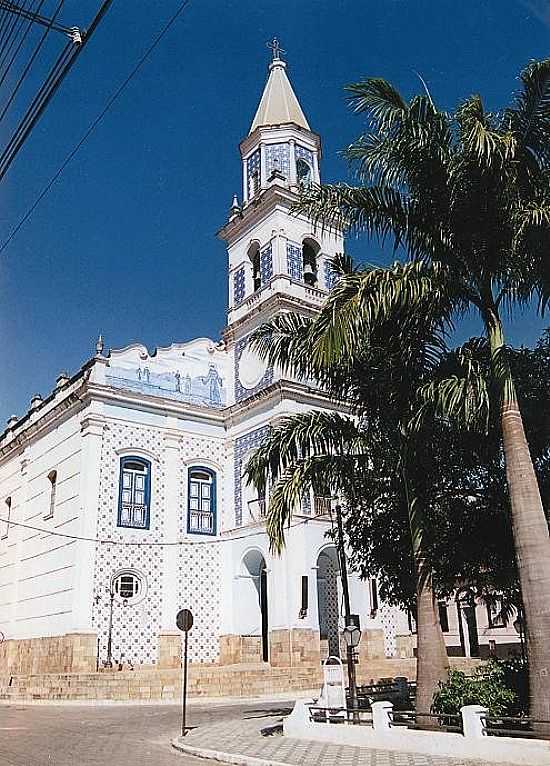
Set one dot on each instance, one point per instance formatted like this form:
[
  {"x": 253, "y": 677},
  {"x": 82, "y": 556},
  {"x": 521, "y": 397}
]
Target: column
[
  {"x": 263, "y": 167},
  {"x": 292, "y": 162}
]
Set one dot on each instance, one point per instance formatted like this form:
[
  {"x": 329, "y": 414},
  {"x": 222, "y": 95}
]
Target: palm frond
[{"x": 379, "y": 99}]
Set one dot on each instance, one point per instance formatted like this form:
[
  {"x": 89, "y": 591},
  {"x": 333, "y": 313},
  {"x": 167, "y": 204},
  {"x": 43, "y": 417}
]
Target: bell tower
[
  {"x": 271, "y": 250},
  {"x": 278, "y": 261}
]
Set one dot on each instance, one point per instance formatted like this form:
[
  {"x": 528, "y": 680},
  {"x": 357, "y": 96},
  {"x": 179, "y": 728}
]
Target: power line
[
  {"x": 95, "y": 123},
  {"x": 126, "y": 544}
]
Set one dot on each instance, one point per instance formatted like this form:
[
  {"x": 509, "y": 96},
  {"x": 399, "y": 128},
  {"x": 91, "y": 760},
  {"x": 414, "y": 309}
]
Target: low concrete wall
[{"x": 526, "y": 752}]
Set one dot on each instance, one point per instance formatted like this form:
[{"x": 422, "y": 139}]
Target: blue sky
[{"x": 125, "y": 242}]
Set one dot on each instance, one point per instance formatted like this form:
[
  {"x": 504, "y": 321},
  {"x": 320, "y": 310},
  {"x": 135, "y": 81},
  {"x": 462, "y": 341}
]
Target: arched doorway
[
  {"x": 467, "y": 623},
  {"x": 253, "y": 598},
  {"x": 327, "y": 599}
]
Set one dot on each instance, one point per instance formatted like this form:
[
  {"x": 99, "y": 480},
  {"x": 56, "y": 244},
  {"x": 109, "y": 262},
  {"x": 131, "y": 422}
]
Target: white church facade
[{"x": 122, "y": 497}]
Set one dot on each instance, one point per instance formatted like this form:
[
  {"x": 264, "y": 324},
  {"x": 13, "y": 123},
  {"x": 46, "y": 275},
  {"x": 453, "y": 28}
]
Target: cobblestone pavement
[
  {"x": 244, "y": 737},
  {"x": 110, "y": 735}
]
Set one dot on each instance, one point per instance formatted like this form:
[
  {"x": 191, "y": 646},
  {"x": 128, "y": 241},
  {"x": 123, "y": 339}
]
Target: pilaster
[
  {"x": 172, "y": 522},
  {"x": 92, "y": 427}
]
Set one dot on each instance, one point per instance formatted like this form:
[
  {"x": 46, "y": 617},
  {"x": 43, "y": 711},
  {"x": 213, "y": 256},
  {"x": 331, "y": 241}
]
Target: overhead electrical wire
[
  {"x": 31, "y": 61},
  {"x": 154, "y": 544},
  {"x": 17, "y": 50},
  {"x": 96, "y": 122}
]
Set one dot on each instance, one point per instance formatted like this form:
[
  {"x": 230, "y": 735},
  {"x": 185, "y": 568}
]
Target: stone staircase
[{"x": 153, "y": 684}]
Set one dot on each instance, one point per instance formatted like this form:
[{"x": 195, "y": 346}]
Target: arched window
[
  {"x": 5, "y": 525},
  {"x": 254, "y": 255},
  {"x": 50, "y": 510},
  {"x": 134, "y": 493},
  {"x": 310, "y": 249},
  {"x": 201, "y": 501},
  {"x": 303, "y": 172}
]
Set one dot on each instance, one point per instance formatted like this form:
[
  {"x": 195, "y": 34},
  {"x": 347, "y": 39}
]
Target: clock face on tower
[{"x": 251, "y": 368}]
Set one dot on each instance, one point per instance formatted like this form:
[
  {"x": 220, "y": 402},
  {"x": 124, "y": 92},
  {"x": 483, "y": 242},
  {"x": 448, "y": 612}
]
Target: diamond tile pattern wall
[
  {"x": 136, "y": 626},
  {"x": 266, "y": 263},
  {"x": 243, "y": 445},
  {"x": 294, "y": 261}
]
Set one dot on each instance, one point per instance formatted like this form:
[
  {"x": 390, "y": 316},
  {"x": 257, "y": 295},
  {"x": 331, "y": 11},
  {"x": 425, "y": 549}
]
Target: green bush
[{"x": 486, "y": 687}]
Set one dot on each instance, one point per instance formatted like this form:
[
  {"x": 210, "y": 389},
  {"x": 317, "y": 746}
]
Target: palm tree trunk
[
  {"x": 530, "y": 528},
  {"x": 432, "y": 665}
]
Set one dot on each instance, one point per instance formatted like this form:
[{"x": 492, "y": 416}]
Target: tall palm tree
[
  {"x": 385, "y": 376},
  {"x": 469, "y": 193}
]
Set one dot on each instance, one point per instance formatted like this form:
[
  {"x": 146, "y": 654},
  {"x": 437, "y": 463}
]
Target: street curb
[{"x": 236, "y": 759}]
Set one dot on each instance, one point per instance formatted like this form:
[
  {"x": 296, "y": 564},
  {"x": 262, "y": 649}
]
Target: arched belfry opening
[
  {"x": 253, "y": 599},
  {"x": 327, "y": 600},
  {"x": 310, "y": 252},
  {"x": 304, "y": 172},
  {"x": 254, "y": 256}
]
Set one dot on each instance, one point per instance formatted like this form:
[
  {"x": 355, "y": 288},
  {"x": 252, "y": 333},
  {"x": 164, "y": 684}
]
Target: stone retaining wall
[{"x": 70, "y": 653}]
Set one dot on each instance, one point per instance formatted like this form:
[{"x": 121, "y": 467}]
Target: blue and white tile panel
[
  {"x": 331, "y": 277},
  {"x": 243, "y": 445},
  {"x": 277, "y": 157},
  {"x": 266, "y": 264},
  {"x": 239, "y": 288},
  {"x": 253, "y": 167},
  {"x": 242, "y": 393},
  {"x": 294, "y": 261}
]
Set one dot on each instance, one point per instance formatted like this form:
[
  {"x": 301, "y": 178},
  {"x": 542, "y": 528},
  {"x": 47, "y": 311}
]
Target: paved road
[{"x": 110, "y": 735}]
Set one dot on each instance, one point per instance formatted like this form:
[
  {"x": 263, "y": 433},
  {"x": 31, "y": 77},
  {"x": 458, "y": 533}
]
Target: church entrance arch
[
  {"x": 253, "y": 599},
  {"x": 327, "y": 599}
]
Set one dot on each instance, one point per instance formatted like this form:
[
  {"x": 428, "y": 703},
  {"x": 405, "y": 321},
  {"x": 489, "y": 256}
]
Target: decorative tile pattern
[
  {"x": 331, "y": 277},
  {"x": 207, "y": 390},
  {"x": 243, "y": 445},
  {"x": 277, "y": 157},
  {"x": 136, "y": 627},
  {"x": 253, "y": 170},
  {"x": 388, "y": 618},
  {"x": 301, "y": 153},
  {"x": 294, "y": 261},
  {"x": 241, "y": 392},
  {"x": 238, "y": 286},
  {"x": 266, "y": 263}
]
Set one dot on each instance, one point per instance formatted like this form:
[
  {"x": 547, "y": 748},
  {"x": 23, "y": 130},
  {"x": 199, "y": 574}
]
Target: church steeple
[
  {"x": 278, "y": 104},
  {"x": 277, "y": 258}
]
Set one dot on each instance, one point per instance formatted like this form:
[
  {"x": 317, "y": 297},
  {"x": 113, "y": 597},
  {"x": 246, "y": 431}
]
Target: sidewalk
[{"x": 241, "y": 742}]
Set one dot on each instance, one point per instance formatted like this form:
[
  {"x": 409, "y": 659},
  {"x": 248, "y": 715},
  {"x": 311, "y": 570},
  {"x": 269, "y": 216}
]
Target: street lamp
[
  {"x": 109, "y": 661},
  {"x": 352, "y": 634}
]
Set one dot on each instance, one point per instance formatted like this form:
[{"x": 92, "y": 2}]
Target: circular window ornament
[
  {"x": 251, "y": 368},
  {"x": 129, "y": 586}
]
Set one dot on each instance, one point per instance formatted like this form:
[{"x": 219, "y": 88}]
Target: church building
[{"x": 122, "y": 498}]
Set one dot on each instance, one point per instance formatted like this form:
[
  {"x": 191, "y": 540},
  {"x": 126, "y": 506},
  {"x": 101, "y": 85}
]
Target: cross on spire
[{"x": 276, "y": 49}]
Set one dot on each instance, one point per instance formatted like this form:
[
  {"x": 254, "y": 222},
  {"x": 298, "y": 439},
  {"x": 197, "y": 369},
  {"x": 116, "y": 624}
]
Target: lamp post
[
  {"x": 109, "y": 661},
  {"x": 351, "y": 631}
]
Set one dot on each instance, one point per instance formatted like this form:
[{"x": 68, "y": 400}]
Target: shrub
[{"x": 486, "y": 687}]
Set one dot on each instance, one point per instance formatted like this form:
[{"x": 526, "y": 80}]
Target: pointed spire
[
  {"x": 235, "y": 208},
  {"x": 99, "y": 346},
  {"x": 278, "y": 104}
]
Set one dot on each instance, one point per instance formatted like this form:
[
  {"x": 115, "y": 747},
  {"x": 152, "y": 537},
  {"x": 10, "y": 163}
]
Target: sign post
[{"x": 184, "y": 621}]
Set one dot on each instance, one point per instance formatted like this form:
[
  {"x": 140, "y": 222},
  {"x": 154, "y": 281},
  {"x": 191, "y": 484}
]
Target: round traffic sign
[{"x": 184, "y": 620}]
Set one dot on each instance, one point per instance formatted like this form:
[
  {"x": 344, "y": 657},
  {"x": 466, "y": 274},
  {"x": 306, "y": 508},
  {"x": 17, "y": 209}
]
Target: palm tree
[
  {"x": 386, "y": 377},
  {"x": 468, "y": 193}
]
